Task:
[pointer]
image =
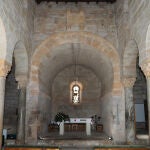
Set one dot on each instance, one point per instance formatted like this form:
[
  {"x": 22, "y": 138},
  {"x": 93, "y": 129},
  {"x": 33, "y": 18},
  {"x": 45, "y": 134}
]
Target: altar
[{"x": 86, "y": 121}]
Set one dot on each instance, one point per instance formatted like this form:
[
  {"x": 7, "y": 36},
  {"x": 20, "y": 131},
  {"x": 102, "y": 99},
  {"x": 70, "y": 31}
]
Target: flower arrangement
[{"x": 60, "y": 116}]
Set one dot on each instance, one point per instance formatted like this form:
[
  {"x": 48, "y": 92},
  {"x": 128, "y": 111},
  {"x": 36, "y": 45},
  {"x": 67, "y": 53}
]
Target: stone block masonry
[{"x": 94, "y": 18}]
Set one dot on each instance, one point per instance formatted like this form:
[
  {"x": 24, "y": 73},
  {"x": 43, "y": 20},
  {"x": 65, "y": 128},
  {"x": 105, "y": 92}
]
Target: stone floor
[
  {"x": 75, "y": 139},
  {"x": 75, "y": 135}
]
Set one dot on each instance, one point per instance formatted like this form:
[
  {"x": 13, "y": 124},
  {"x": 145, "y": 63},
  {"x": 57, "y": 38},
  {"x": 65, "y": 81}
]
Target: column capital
[
  {"x": 22, "y": 81},
  {"x": 128, "y": 82},
  {"x": 4, "y": 67},
  {"x": 145, "y": 66}
]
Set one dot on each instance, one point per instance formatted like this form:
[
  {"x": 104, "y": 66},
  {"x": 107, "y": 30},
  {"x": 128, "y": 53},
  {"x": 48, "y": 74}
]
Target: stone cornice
[
  {"x": 129, "y": 82},
  {"x": 4, "y": 67}
]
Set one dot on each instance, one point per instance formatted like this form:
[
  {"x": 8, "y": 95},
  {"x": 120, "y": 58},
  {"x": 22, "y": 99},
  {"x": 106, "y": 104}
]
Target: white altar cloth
[
  {"x": 80, "y": 120},
  {"x": 87, "y": 121}
]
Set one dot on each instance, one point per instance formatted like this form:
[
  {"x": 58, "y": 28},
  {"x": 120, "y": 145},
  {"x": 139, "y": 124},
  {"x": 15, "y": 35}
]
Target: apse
[{"x": 67, "y": 63}]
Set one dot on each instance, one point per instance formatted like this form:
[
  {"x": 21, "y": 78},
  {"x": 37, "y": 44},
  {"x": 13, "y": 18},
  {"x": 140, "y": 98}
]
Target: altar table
[{"x": 87, "y": 121}]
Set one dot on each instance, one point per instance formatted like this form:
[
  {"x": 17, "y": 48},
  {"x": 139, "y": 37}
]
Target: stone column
[
  {"x": 129, "y": 110},
  {"x": 4, "y": 69},
  {"x": 148, "y": 99},
  {"x": 21, "y": 111},
  {"x": 146, "y": 69},
  {"x": 2, "y": 94}
]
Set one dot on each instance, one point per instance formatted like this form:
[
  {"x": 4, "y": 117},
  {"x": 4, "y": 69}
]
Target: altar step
[
  {"x": 76, "y": 143},
  {"x": 76, "y": 148}
]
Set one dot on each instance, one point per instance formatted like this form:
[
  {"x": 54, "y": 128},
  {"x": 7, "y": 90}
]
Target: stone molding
[
  {"x": 145, "y": 66},
  {"x": 128, "y": 82},
  {"x": 4, "y": 67}
]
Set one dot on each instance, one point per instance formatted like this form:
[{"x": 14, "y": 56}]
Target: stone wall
[
  {"x": 91, "y": 96},
  {"x": 132, "y": 24},
  {"x": 11, "y": 103},
  {"x": 107, "y": 114},
  {"x": 113, "y": 112},
  {"x": 94, "y": 18},
  {"x": 70, "y": 23},
  {"x": 17, "y": 17},
  {"x": 132, "y": 20},
  {"x": 140, "y": 87}
]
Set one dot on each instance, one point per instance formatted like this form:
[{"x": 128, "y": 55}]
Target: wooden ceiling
[{"x": 75, "y": 1}]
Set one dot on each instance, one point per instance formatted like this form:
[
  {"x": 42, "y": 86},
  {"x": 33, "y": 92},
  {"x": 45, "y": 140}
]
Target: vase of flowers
[{"x": 60, "y": 116}]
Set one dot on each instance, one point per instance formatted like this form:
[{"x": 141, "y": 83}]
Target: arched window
[{"x": 75, "y": 92}]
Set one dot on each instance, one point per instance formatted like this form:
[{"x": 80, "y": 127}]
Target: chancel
[{"x": 74, "y": 74}]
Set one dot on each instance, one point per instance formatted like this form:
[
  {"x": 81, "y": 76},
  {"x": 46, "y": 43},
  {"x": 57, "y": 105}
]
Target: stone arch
[
  {"x": 3, "y": 41},
  {"x": 86, "y": 38},
  {"x": 129, "y": 59},
  {"x": 147, "y": 50},
  {"x": 148, "y": 38},
  {"x": 21, "y": 60},
  {"x": 4, "y": 65}
]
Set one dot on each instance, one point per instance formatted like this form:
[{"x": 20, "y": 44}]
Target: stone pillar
[
  {"x": 4, "y": 69},
  {"x": 146, "y": 69},
  {"x": 148, "y": 99},
  {"x": 2, "y": 94},
  {"x": 129, "y": 110},
  {"x": 61, "y": 128},
  {"x": 21, "y": 111}
]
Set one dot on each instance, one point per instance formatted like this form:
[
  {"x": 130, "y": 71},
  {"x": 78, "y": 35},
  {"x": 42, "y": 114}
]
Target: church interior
[{"x": 74, "y": 74}]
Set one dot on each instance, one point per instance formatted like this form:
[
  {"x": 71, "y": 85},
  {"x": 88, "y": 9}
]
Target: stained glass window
[{"x": 76, "y": 92}]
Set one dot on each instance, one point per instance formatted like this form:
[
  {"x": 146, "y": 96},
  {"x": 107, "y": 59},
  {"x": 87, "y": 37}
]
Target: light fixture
[
  {"x": 75, "y": 86},
  {"x": 75, "y": 54}
]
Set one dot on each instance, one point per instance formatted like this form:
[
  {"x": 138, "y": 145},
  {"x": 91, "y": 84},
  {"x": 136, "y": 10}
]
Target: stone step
[{"x": 76, "y": 148}]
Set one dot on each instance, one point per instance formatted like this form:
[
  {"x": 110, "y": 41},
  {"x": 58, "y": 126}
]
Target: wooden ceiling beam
[{"x": 75, "y": 1}]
